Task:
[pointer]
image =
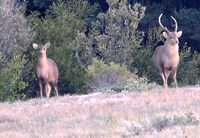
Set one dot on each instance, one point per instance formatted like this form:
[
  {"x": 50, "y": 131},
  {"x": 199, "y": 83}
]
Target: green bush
[
  {"x": 10, "y": 80},
  {"x": 15, "y": 36},
  {"x": 115, "y": 77},
  {"x": 143, "y": 63},
  {"x": 105, "y": 75},
  {"x": 188, "y": 70}
]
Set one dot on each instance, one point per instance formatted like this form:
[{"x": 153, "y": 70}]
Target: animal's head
[
  {"x": 171, "y": 37},
  {"x": 42, "y": 49}
]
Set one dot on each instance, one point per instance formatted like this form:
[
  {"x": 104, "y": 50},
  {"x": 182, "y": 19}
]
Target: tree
[
  {"x": 113, "y": 36},
  {"x": 15, "y": 32},
  {"x": 15, "y": 36}
]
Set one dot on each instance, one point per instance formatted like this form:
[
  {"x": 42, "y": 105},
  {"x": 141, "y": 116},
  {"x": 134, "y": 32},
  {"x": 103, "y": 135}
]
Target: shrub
[
  {"x": 104, "y": 75},
  {"x": 188, "y": 70},
  {"x": 15, "y": 36},
  {"x": 10, "y": 79},
  {"x": 143, "y": 62},
  {"x": 115, "y": 77}
]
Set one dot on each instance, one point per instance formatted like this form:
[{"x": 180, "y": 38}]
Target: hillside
[{"x": 156, "y": 113}]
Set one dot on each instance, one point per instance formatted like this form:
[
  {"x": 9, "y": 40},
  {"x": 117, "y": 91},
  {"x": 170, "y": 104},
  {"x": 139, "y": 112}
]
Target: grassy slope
[{"x": 158, "y": 113}]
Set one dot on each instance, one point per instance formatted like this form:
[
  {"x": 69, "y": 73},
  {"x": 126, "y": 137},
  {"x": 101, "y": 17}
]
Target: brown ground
[{"x": 173, "y": 113}]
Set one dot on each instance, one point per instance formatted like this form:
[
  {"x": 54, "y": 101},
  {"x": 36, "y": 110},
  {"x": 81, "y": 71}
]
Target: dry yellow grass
[{"x": 173, "y": 113}]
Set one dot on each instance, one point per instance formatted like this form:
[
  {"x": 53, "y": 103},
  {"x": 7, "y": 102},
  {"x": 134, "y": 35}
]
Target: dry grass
[{"x": 156, "y": 114}]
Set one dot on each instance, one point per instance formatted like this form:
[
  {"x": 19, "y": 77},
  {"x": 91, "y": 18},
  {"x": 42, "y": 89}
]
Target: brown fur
[
  {"x": 47, "y": 70},
  {"x": 166, "y": 57}
]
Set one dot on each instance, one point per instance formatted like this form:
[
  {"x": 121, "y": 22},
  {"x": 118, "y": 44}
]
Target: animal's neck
[
  {"x": 172, "y": 49},
  {"x": 167, "y": 44},
  {"x": 42, "y": 61}
]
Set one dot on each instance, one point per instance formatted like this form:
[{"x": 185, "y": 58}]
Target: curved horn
[
  {"x": 159, "y": 21},
  {"x": 176, "y": 25}
]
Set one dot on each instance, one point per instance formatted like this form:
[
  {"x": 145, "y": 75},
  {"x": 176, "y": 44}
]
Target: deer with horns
[{"x": 166, "y": 57}]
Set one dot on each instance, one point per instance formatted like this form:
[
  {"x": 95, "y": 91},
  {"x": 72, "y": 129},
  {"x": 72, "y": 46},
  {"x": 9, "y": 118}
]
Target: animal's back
[
  {"x": 157, "y": 56},
  {"x": 53, "y": 72}
]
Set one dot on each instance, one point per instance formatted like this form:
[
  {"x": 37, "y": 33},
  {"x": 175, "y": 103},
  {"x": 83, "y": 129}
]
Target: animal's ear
[
  {"x": 35, "y": 46},
  {"x": 47, "y": 44},
  {"x": 165, "y": 35},
  {"x": 179, "y": 34}
]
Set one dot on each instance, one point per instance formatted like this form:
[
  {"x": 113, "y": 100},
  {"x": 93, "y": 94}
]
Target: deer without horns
[
  {"x": 166, "y": 57},
  {"x": 47, "y": 70}
]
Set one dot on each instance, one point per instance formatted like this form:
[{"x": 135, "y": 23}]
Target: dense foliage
[
  {"x": 10, "y": 79},
  {"x": 15, "y": 36},
  {"x": 15, "y": 32},
  {"x": 96, "y": 44},
  {"x": 113, "y": 36}
]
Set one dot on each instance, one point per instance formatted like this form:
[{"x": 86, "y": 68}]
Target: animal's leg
[
  {"x": 56, "y": 88},
  {"x": 163, "y": 78},
  {"x": 48, "y": 89},
  {"x": 166, "y": 75},
  {"x": 174, "y": 71},
  {"x": 40, "y": 85}
]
